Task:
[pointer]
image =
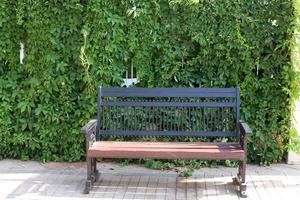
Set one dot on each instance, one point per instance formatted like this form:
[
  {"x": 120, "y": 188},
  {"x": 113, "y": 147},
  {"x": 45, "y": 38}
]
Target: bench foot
[
  {"x": 88, "y": 186},
  {"x": 95, "y": 177},
  {"x": 242, "y": 187}
]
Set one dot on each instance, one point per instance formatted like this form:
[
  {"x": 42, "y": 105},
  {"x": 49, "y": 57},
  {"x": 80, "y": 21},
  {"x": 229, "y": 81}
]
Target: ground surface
[{"x": 33, "y": 180}]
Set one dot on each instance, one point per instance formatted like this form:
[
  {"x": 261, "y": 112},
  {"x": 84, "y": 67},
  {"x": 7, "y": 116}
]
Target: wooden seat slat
[{"x": 167, "y": 150}]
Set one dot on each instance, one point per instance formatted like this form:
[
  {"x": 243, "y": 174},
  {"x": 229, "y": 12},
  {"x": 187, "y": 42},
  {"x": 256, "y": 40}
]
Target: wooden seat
[{"x": 167, "y": 150}]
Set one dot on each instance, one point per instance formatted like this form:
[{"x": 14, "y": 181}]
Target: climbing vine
[{"x": 72, "y": 47}]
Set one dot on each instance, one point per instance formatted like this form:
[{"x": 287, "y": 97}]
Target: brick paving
[{"x": 32, "y": 180}]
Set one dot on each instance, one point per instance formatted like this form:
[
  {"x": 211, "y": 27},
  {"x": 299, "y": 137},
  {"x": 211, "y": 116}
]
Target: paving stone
[{"x": 36, "y": 181}]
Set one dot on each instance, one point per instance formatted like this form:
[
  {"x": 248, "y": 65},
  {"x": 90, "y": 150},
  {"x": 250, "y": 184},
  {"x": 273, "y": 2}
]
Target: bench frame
[{"x": 91, "y": 129}]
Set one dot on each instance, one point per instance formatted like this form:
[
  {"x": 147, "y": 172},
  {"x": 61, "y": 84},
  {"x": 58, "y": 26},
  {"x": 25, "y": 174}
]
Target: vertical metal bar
[
  {"x": 161, "y": 114},
  {"x": 212, "y": 118},
  {"x": 222, "y": 118},
  {"x": 165, "y": 119},
  {"x": 192, "y": 118},
  {"x": 124, "y": 112},
  {"x": 134, "y": 118},
  {"x": 168, "y": 120},
  {"x": 215, "y": 121},
  {"x": 128, "y": 118},
  {"x": 149, "y": 117},
  {"x": 197, "y": 117},
  {"x": 197, "y": 111},
  {"x": 157, "y": 126},
  {"x": 188, "y": 121},
  {"x": 194, "y": 123},
  {"x": 114, "y": 117},
  {"x": 109, "y": 117},
  {"x": 117, "y": 118},
  {"x": 158, "y": 117},
  {"x": 203, "y": 119},
  {"x": 237, "y": 114},
  {"x": 99, "y": 101},
  {"x": 173, "y": 118},
  {"x": 137, "y": 119},
  {"x": 162, "y": 118},
  {"x": 202, "y": 114},
  {"x": 141, "y": 117},
  {"x": 144, "y": 121},
  {"x": 218, "y": 120},
  {"x": 120, "y": 118},
  {"x": 181, "y": 114},
  {"x": 225, "y": 119},
  {"x": 152, "y": 119},
  {"x": 131, "y": 118},
  {"x": 177, "y": 121},
  {"x": 103, "y": 117},
  {"x": 174, "y": 121},
  {"x": 106, "y": 118},
  {"x": 215, "y": 118},
  {"x": 209, "y": 119}
]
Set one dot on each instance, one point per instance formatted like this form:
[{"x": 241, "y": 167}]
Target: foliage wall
[{"x": 74, "y": 46}]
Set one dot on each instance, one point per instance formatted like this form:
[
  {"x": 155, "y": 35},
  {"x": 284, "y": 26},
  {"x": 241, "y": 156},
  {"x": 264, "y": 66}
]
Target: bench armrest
[
  {"x": 245, "y": 129},
  {"x": 245, "y": 132},
  {"x": 89, "y": 130}
]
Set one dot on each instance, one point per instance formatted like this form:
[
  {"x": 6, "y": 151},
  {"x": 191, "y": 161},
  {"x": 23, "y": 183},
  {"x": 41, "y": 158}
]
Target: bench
[{"x": 206, "y": 113}]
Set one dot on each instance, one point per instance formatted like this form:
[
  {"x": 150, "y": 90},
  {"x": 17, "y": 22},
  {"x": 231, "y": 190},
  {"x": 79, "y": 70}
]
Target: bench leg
[
  {"x": 240, "y": 180},
  {"x": 95, "y": 172},
  {"x": 88, "y": 183}
]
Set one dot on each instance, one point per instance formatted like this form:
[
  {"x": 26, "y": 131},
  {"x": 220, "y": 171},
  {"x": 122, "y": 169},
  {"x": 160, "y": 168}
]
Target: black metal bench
[{"x": 167, "y": 112}]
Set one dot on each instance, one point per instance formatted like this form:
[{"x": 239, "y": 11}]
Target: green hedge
[{"x": 74, "y": 46}]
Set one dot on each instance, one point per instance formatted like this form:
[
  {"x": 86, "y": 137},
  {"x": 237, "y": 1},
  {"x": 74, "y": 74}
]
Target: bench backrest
[{"x": 209, "y": 112}]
